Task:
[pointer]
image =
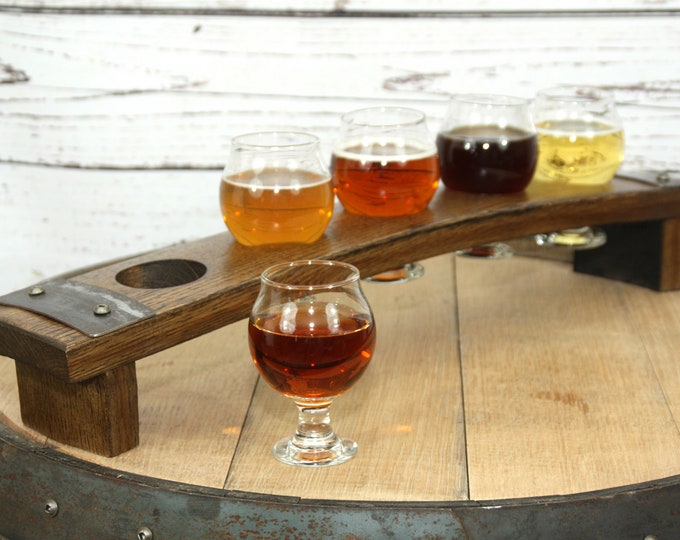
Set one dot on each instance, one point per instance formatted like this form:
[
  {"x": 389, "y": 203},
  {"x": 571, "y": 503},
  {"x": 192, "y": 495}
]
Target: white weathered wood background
[{"x": 116, "y": 115}]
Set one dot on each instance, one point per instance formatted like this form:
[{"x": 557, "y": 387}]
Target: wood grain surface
[
  {"x": 115, "y": 121},
  {"x": 491, "y": 380}
]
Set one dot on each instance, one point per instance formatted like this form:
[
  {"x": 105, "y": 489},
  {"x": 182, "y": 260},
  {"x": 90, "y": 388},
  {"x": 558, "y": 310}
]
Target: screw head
[
  {"x": 144, "y": 533},
  {"x": 51, "y": 507},
  {"x": 102, "y": 309},
  {"x": 36, "y": 291}
]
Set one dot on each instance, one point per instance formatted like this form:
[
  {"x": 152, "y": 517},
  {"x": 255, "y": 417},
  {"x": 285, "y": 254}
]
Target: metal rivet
[
  {"x": 102, "y": 309},
  {"x": 36, "y": 291},
  {"x": 51, "y": 507},
  {"x": 663, "y": 177},
  {"x": 144, "y": 533}
]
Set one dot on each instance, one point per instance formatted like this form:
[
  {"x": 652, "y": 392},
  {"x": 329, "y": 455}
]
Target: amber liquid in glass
[
  {"x": 276, "y": 205},
  {"x": 318, "y": 353},
  {"x": 385, "y": 178}
]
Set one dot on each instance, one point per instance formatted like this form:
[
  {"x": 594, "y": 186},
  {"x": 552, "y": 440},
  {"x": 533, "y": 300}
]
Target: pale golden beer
[
  {"x": 580, "y": 136},
  {"x": 578, "y": 152}
]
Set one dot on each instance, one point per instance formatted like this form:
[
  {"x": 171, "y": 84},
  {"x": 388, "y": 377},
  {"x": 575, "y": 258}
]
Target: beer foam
[
  {"x": 276, "y": 179},
  {"x": 579, "y": 128},
  {"x": 385, "y": 149}
]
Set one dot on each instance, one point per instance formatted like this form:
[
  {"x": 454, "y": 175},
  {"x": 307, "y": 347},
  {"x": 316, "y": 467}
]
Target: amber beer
[
  {"x": 385, "y": 178},
  {"x": 276, "y": 188},
  {"x": 276, "y": 205},
  {"x": 316, "y": 360},
  {"x": 385, "y": 162}
]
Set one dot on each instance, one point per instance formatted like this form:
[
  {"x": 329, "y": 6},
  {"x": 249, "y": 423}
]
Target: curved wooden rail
[{"x": 95, "y": 376}]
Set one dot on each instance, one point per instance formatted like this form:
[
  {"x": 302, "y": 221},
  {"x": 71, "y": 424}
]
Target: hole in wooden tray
[{"x": 161, "y": 274}]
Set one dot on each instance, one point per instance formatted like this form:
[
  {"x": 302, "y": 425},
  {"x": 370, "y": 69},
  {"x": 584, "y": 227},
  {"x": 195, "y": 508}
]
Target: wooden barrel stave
[{"x": 608, "y": 471}]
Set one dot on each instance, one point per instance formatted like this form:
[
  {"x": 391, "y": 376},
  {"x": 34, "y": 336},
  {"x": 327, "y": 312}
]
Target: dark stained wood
[
  {"x": 645, "y": 253},
  {"x": 99, "y": 415},
  {"x": 227, "y": 290},
  {"x": 670, "y": 251},
  {"x": 89, "y": 382}
]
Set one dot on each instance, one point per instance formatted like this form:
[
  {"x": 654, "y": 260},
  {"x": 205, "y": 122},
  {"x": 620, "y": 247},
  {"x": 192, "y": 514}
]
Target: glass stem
[{"x": 314, "y": 429}]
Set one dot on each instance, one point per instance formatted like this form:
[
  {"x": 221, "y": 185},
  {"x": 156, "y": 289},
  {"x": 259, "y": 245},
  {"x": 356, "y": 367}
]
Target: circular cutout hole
[{"x": 161, "y": 274}]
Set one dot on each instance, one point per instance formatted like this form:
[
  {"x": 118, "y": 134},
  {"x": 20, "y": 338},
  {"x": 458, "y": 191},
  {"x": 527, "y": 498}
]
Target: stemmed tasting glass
[
  {"x": 312, "y": 335},
  {"x": 385, "y": 164},
  {"x": 276, "y": 188},
  {"x": 581, "y": 143},
  {"x": 487, "y": 144}
]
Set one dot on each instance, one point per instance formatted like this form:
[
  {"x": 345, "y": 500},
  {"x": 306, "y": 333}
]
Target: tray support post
[
  {"x": 99, "y": 415},
  {"x": 644, "y": 253}
]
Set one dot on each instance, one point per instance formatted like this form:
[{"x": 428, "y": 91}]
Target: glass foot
[
  {"x": 408, "y": 272},
  {"x": 497, "y": 250},
  {"x": 580, "y": 238},
  {"x": 292, "y": 453}
]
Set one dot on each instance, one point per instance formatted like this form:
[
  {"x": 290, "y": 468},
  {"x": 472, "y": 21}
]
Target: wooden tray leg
[
  {"x": 99, "y": 415},
  {"x": 645, "y": 253}
]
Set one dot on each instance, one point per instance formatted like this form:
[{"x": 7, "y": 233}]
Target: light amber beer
[
  {"x": 385, "y": 177},
  {"x": 276, "y": 205},
  {"x": 578, "y": 152}
]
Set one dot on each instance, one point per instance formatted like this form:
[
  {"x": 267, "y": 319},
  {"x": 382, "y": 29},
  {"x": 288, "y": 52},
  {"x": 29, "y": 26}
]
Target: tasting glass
[
  {"x": 581, "y": 143},
  {"x": 311, "y": 335},
  {"x": 487, "y": 144},
  {"x": 276, "y": 188},
  {"x": 385, "y": 164}
]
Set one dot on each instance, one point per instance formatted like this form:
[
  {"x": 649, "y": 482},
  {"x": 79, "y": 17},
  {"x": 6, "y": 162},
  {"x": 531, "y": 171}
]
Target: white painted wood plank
[
  {"x": 153, "y": 92},
  {"x": 56, "y": 220},
  {"x": 350, "y": 6},
  {"x": 120, "y": 91}
]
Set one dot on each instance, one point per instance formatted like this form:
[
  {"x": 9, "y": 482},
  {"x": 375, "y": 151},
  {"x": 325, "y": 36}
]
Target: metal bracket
[{"x": 90, "y": 309}]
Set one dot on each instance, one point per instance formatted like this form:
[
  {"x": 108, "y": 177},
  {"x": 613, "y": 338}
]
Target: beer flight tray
[{"x": 75, "y": 338}]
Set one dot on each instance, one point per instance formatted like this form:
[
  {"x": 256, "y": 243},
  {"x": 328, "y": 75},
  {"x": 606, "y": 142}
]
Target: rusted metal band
[
  {"x": 45, "y": 494},
  {"x": 90, "y": 309}
]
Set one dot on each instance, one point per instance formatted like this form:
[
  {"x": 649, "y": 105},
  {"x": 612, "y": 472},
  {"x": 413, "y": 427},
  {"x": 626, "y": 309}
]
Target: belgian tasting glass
[
  {"x": 581, "y": 143},
  {"x": 385, "y": 164},
  {"x": 312, "y": 335},
  {"x": 276, "y": 188},
  {"x": 487, "y": 144}
]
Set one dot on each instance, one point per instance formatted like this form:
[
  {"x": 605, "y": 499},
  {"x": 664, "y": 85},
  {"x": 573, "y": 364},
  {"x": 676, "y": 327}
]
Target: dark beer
[{"x": 487, "y": 159}]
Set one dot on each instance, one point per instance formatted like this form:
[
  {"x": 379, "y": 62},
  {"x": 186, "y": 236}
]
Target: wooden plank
[
  {"x": 566, "y": 388},
  {"x": 405, "y": 413},
  {"x": 656, "y": 318},
  {"x": 193, "y": 400},
  {"x": 561, "y": 395},
  {"x": 170, "y": 107},
  {"x": 228, "y": 288}
]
